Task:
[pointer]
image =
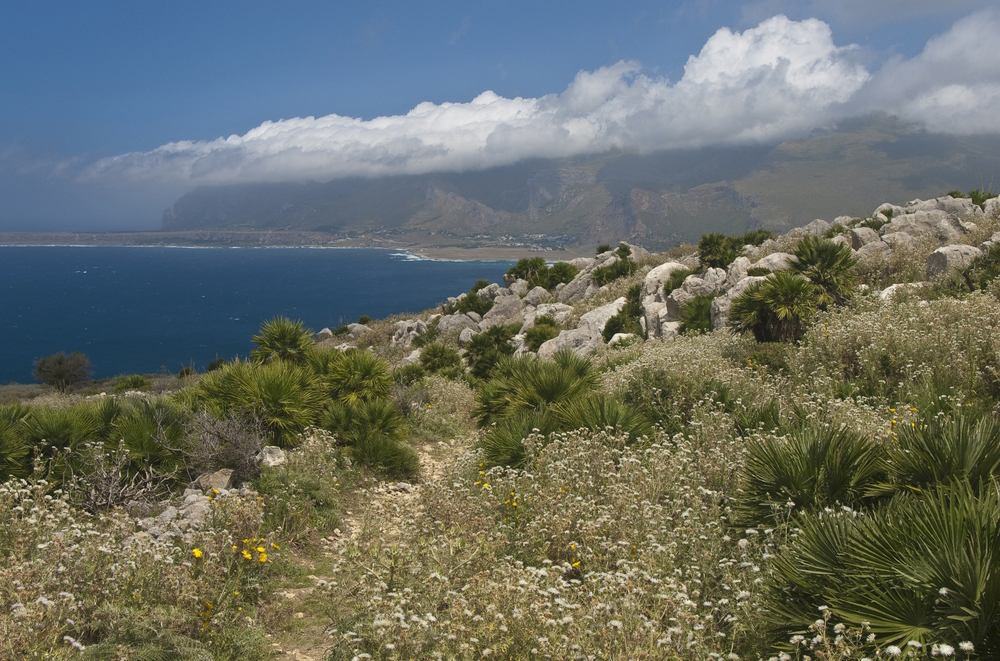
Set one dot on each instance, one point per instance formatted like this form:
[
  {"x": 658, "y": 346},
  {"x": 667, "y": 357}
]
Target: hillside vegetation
[{"x": 759, "y": 447}]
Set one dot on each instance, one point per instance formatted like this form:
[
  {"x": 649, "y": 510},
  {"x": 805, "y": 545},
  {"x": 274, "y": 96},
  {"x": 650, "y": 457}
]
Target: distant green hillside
[{"x": 656, "y": 199}]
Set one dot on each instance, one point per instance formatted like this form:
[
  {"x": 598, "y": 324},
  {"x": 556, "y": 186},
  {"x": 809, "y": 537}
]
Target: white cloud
[
  {"x": 952, "y": 86},
  {"x": 767, "y": 83}
]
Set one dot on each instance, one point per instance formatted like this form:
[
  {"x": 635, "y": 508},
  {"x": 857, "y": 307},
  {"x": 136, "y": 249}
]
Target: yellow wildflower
[{"x": 196, "y": 552}]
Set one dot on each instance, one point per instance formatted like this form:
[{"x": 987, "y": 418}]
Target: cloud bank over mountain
[{"x": 768, "y": 83}]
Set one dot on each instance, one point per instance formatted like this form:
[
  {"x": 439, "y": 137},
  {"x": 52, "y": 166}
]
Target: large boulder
[
  {"x": 357, "y": 330},
  {"x": 944, "y": 218},
  {"x": 453, "y": 323},
  {"x": 507, "y": 309},
  {"x": 991, "y": 208},
  {"x": 537, "y": 296},
  {"x": 710, "y": 282},
  {"x": 270, "y": 456},
  {"x": 815, "y": 228},
  {"x": 404, "y": 332},
  {"x": 949, "y": 258},
  {"x": 519, "y": 287},
  {"x": 653, "y": 283},
  {"x": 597, "y": 319},
  {"x": 578, "y": 288},
  {"x": 721, "y": 304},
  {"x": 579, "y": 340},
  {"x": 898, "y": 240},
  {"x": 737, "y": 271},
  {"x": 560, "y": 312},
  {"x": 875, "y": 250},
  {"x": 410, "y": 359},
  {"x": 776, "y": 261},
  {"x": 491, "y": 291},
  {"x": 862, "y": 236},
  {"x": 323, "y": 336}
]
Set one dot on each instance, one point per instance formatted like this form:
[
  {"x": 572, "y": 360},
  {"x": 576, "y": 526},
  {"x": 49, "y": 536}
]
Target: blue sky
[{"x": 110, "y": 110}]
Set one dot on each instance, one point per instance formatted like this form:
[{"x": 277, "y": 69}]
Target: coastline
[{"x": 458, "y": 251}]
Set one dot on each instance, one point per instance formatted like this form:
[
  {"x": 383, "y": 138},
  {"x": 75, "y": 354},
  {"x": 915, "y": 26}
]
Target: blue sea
[{"x": 149, "y": 310}]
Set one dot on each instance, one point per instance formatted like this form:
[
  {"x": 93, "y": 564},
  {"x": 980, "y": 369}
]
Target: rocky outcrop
[
  {"x": 597, "y": 319},
  {"x": 721, "y": 304},
  {"x": 559, "y": 312},
  {"x": 537, "y": 296},
  {"x": 507, "y": 309},
  {"x": 948, "y": 258},
  {"x": 579, "y": 340},
  {"x": 453, "y": 323},
  {"x": 945, "y": 218},
  {"x": 862, "y": 236},
  {"x": 710, "y": 282},
  {"x": 776, "y": 261},
  {"x": 654, "y": 299},
  {"x": 404, "y": 332}
]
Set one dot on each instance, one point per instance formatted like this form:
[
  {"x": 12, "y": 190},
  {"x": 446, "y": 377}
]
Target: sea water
[{"x": 146, "y": 310}]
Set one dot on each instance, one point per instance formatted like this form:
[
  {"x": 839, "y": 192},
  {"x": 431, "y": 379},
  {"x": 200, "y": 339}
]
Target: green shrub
[
  {"x": 503, "y": 443},
  {"x": 759, "y": 271},
  {"x": 620, "y": 268},
  {"x": 776, "y": 310},
  {"x": 696, "y": 314},
  {"x": 282, "y": 338},
  {"x": 943, "y": 452},
  {"x": 813, "y": 469},
  {"x": 603, "y": 248},
  {"x": 560, "y": 272},
  {"x": 539, "y": 334},
  {"x": 185, "y": 372},
  {"x": 133, "y": 382},
  {"x": 215, "y": 364},
  {"x": 286, "y": 398},
  {"x": 922, "y": 568},
  {"x": 528, "y": 383},
  {"x": 473, "y": 302},
  {"x": 364, "y": 319},
  {"x": 359, "y": 375},
  {"x": 676, "y": 279},
  {"x": 599, "y": 413},
  {"x": 431, "y": 335},
  {"x": 716, "y": 250},
  {"x": 752, "y": 238},
  {"x": 408, "y": 374},
  {"x": 438, "y": 356},
  {"x": 15, "y": 452},
  {"x": 827, "y": 265},
  {"x": 873, "y": 223},
  {"x": 627, "y": 319},
  {"x": 487, "y": 348},
  {"x": 528, "y": 268},
  {"x": 389, "y": 456},
  {"x": 352, "y": 422},
  {"x": 62, "y": 371}
]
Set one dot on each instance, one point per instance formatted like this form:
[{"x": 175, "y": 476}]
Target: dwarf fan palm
[
  {"x": 359, "y": 376},
  {"x": 923, "y": 568},
  {"x": 283, "y": 338},
  {"x": 812, "y": 468},
  {"x": 827, "y": 265},
  {"x": 775, "y": 310}
]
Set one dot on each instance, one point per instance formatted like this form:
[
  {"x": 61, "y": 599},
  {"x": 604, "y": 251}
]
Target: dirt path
[{"x": 383, "y": 506}]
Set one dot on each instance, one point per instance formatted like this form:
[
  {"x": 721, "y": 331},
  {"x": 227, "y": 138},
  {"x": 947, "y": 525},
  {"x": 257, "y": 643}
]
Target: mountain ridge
[{"x": 657, "y": 199}]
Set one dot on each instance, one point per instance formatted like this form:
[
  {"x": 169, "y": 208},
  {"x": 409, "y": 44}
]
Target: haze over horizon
[{"x": 111, "y": 112}]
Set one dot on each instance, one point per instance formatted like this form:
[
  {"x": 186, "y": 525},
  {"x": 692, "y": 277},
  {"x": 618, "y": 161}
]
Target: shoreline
[{"x": 417, "y": 250}]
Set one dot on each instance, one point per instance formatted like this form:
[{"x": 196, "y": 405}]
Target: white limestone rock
[{"x": 947, "y": 258}]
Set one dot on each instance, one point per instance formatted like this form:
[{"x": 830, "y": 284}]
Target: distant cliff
[{"x": 655, "y": 200}]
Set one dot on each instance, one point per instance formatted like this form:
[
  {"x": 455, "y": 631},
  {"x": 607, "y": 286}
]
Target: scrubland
[{"x": 704, "y": 497}]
